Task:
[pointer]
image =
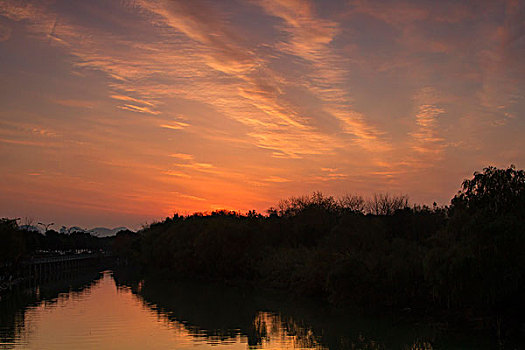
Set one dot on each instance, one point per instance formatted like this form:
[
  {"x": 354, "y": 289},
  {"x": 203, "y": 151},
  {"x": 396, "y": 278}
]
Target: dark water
[{"x": 115, "y": 311}]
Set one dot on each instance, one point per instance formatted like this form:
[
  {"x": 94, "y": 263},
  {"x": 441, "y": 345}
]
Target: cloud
[
  {"x": 183, "y": 156},
  {"x": 309, "y": 34},
  {"x": 309, "y": 38},
  {"x": 191, "y": 197},
  {"x": 131, "y": 99},
  {"x": 255, "y": 85},
  {"x": 18, "y": 10},
  {"x": 27, "y": 143},
  {"x": 176, "y": 174},
  {"x": 26, "y": 130},
  {"x": 276, "y": 179},
  {"x": 331, "y": 174},
  {"x": 201, "y": 23},
  {"x": 139, "y": 109},
  {"x": 426, "y": 137},
  {"x": 296, "y": 144},
  {"x": 175, "y": 125},
  {"x": 197, "y": 166},
  {"x": 204, "y": 59}
]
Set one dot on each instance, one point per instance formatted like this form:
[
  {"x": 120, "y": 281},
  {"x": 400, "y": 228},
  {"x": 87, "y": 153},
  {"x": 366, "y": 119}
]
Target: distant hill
[
  {"x": 105, "y": 232},
  {"x": 97, "y": 231},
  {"x": 31, "y": 228}
]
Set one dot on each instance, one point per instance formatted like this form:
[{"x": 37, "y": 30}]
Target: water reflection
[
  {"x": 221, "y": 314},
  {"x": 117, "y": 311},
  {"x": 14, "y": 306},
  {"x": 218, "y": 314}
]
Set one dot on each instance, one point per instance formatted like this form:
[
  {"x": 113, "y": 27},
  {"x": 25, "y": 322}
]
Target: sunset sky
[{"x": 118, "y": 112}]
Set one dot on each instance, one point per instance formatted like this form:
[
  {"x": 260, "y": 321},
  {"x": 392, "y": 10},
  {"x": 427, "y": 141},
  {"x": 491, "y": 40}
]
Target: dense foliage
[{"x": 468, "y": 256}]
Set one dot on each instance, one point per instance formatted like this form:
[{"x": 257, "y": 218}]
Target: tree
[
  {"x": 46, "y": 226},
  {"x": 492, "y": 192},
  {"x": 487, "y": 236},
  {"x": 11, "y": 241},
  {"x": 386, "y": 204},
  {"x": 296, "y": 205},
  {"x": 352, "y": 203}
]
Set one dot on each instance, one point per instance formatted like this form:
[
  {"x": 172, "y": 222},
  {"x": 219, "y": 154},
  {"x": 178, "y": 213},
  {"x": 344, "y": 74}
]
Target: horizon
[
  {"x": 121, "y": 113},
  {"x": 37, "y": 223}
]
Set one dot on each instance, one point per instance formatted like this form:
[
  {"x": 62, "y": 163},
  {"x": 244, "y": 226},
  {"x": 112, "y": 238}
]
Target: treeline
[
  {"x": 17, "y": 244},
  {"x": 467, "y": 256}
]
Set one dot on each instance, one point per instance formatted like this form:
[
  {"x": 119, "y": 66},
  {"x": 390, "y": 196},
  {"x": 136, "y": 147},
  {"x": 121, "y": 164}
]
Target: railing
[{"x": 62, "y": 258}]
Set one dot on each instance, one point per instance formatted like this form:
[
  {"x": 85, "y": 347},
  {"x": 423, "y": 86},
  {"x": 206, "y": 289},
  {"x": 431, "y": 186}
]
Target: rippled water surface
[{"x": 104, "y": 311}]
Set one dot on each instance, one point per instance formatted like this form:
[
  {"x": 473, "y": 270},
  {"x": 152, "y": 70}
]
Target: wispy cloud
[
  {"x": 251, "y": 92},
  {"x": 139, "y": 109},
  {"x": 331, "y": 174},
  {"x": 188, "y": 196},
  {"x": 309, "y": 38},
  {"x": 27, "y": 130},
  {"x": 132, "y": 99},
  {"x": 182, "y": 156},
  {"x": 256, "y": 84},
  {"x": 277, "y": 179},
  {"x": 427, "y": 140},
  {"x": 196, "y": 166},
  {"x": 27, "y": 143},
  {"x": 176, "y": 174},
  {"x": 175, "y": 125}
]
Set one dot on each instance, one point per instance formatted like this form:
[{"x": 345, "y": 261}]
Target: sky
[{"x": 121, "y": 112}]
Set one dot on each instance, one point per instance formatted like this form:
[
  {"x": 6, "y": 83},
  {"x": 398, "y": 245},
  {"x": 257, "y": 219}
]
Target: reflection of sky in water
[{"x": 107, "y": 317}]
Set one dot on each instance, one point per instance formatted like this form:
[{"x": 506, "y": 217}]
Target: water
[{"x": 112, "y": 311}]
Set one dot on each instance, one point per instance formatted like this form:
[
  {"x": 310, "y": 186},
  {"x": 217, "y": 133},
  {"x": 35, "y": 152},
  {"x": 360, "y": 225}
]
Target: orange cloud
[
  {"x": 131, "y": 99},
  {"x": 182, "y": 156},
  {"x": 175, "y": 125},
  {"x": 140, "y": 109},
  {"x": 310, "y": 38},
  {"x": 277, "y": 179},
  {"x": 426, "y": 137}
]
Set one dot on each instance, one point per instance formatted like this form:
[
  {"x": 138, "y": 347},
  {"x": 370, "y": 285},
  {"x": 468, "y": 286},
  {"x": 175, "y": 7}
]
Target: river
[{"x": 114, "y": 311}]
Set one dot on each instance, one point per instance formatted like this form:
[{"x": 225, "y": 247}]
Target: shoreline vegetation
[{"x": 464, "y": 261}]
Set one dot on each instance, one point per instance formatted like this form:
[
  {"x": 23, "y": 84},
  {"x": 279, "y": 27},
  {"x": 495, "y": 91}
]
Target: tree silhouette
[
  {"x": 46, "y": 226},
  {"x": 493, "y": 191}
]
